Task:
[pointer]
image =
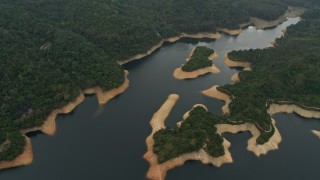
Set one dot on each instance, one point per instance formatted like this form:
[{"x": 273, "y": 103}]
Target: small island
[{"x": 198, "y": 63}]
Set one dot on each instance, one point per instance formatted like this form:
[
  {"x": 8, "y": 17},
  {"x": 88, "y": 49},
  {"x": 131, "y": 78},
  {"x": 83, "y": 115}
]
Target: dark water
[{"x": 108, "y": 142}]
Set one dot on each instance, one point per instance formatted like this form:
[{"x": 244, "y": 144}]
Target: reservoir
[{"x": 107, "y": 142}]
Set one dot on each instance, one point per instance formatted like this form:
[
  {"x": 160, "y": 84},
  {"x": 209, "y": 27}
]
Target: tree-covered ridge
[
  {"x": 196, "y": 132},
  {"x": 199, "y": 59},
  {"x": 225, "y": 13},
  {"x": 287, "y": 73},
  {"x": 52, "y": 49}
]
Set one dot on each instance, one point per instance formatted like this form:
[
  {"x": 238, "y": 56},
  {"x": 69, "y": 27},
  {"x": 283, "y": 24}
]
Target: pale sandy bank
[
  {"x": 230, "y": 63},
  {"x": 235, "y": 77},
  {"x": 214, "y": 93},
  {"x": 49, "y": 125},
  {"x": 317, "y": 133},
  {"x": 158, "y": 171},
  {"x": 232, "y": 32},
  {"x": 290, "y": 13},
  {"x": 258, "y": 23},
  {"x": 105, "y": 96},
  {"x": 257, "y": 149},
  {"x": 24, "y": 159},
  {"x": 180, "y": 74},
  {"x": 274, "y": 141},
  {"x": 213, "y": 56},
  {"x": 233, "y": 64},
  {"x": 186, "y": 115},
  {"x": 211, "y": 35},
  {"x": 291, "y": 108}
]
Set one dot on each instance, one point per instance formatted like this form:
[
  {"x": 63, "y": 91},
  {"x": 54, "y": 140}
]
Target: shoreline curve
[
  {"x": 316, "y": 133},
  {"x": 49, "y": 125},
  {"x": 180, "y": 74},
  {"x": 158, "y": 171},
  {"x": 274, "y": 108}
]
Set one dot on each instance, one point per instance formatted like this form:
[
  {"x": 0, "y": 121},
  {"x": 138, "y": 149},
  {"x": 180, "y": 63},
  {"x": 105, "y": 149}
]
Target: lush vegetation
[
  {"x": 52, "y": 49},
  {"x": 287, "y": 73},
  {"x": 196, "y": 132},
  {"x": 199, "y": 59}
]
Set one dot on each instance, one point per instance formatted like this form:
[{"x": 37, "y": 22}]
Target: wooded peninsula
[
  {"x": 283, "y": 78},
  {"x": 52, "y": 50}
]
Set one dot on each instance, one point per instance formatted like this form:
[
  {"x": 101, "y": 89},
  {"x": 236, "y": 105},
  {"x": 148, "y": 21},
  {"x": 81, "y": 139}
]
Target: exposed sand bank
[
  {"x": 273, "y": 43},
  {"x": 233, "y": 64},
  {"x": 213, "y": 35},
  {"x": 258, "y": 23},
  {"x": 49, "y": 125},
  {"x": 257, "y": 149},
  {"x": 24, "y": 159},
  {"x": 105, "y": 96},
  {"x": 186, "y": 115},
  {"x": 191, "y": 54},
  {"x": 246, "y": 65},
  {"x": 213, "y": 56},
  {"x": 214, "y": 93},
  {"x": 180, "y": 74},
  {"x": 158, "y": 171},
  {"x": 232, "y": 32},
  {"x": 291, "y": 108},
  {"x": 275, "y": 140},
  {"x": 235, "y": 77},
  {"x": 290, "y": 13},
  {"x": 317, "y": 133}
]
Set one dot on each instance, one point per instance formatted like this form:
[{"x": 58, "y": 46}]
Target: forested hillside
[
  {"x": 52, "y": 49},
  {"x": 285, "y": 74},
  {"x": 288, "y": 73}
]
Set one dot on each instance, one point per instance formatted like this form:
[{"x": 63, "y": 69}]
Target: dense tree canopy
[
  {"x": 52, "y": 49},
  {"x": 287, "y": 73},
  {"x": 199, "y": 59},
  {"x": 196, "y": 132}
]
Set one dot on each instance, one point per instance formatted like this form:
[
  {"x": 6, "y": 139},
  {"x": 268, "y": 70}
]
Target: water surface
[{"x": 108, "y": 142}]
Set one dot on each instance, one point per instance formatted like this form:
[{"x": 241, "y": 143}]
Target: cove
[{"x": 107, "y": 142}]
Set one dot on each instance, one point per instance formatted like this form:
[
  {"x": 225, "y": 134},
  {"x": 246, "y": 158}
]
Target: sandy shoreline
[
  {"x": 235, "y": 77},
  {"x": 180, "y": 74},
  {"x": 230, "y": 63},
  {"x": 105, "y": 96},
  {"x": 214, "y": 93},
  {"x": 290, "y": 13},
  {"x": 257, "y": 149},
  {"x": 233, "y": 64},
  {"x": 275, "y": 140},
  {"x": 213, "y": 56},
  {"x": 258, "y": 23},
  {"x": 158, "y": 171},
  {"x": 23, "y": 159},
  {"x": 49, "y": 125},
  {"x": 211, "y": 35},
  {"x": 317, "y": 133},
  {"x": 231, "y": 32}
]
